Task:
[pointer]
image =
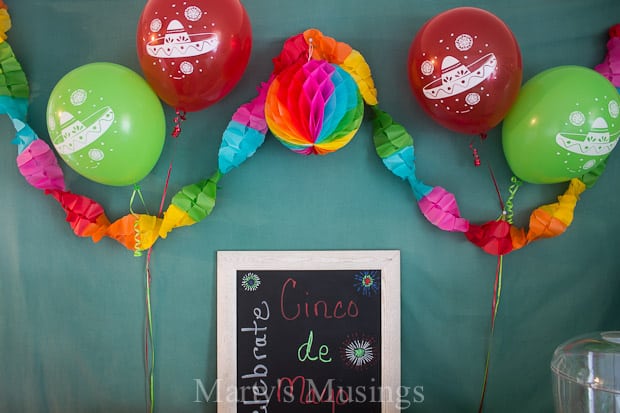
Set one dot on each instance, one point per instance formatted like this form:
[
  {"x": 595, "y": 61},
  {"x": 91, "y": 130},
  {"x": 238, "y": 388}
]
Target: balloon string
[
  {"x": 167, "y": 182},
  {"x": 149, "y": 362},
  {"x": 516, "y": 184},
  {"x": 149, "y": 346},
  {"x": 496, "y": 186},
  {"x": 497, "y": 290},
  {"x": 497, "y": 293},
  {"x": 178, "y": 119},
  {"x": 310, "y": 48}
]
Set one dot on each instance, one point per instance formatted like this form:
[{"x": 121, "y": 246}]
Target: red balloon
[
  {"x": 465, "y": 69},
  {"x": 193, "y": 53}
]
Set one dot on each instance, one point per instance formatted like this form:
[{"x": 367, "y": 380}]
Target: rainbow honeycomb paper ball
[{"x": 314, "y": 108}]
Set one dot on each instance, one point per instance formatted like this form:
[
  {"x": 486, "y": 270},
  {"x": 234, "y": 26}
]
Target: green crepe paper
[
  {"x": 13, "y": 80},
  {"x": 389, "y": 137},
  {"x": 198, "y": 200}
]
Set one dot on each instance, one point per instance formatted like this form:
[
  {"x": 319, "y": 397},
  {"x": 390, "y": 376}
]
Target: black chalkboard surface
[
  {"x": 309, "y": 338},
  {"x": 307, "y": 331}
]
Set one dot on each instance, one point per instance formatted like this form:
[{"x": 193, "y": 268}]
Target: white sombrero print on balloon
[
  {"x": 465, "y": 69},
  {"x": 193, "y": 52},
  {"x": 455, "y": 77},
  {"x": 582, "y": 145},
  {"x": 82, "y": 127},
  {"x": 77, "y": 134},
  {"x": 177, "y": 43},
  {"x": 598, "y": 141}
]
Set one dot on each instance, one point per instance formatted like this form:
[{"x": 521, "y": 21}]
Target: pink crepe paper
[
  {"x": 252, "y": 114},
  {"x": 440, "y": 208},
  {"x": 610, "y": 67},
  {"x": 38, "y": 164}
]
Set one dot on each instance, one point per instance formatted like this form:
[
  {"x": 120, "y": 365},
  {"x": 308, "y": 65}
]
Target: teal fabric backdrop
[{"x": 72, "y": 312}]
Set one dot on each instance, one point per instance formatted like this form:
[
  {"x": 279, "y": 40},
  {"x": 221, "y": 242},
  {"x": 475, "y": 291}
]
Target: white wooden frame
[{"x": 229, "y": 262}]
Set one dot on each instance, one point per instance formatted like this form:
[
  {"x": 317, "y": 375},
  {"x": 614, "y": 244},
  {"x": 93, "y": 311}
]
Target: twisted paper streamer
[
  {"x": 243, "y": 136},
  {"x": 245, "y": 133},
  {"x": 610, "y": 67},
  {"x": 395, "y": 147},
  {"x": 330, "y": 124}
]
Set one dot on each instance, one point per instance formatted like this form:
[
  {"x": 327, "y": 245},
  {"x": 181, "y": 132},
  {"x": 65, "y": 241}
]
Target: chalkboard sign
[{"x": 308, "y": 331}]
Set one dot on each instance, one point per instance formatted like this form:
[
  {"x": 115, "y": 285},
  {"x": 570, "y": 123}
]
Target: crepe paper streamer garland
[
  {"x": 245, "y": 133},
  {"x": 498, "y": 237},
  {"x": 318, "y": 67},
  {"x": 243, "y": 136},
  {"x": 610, "y": 67}
]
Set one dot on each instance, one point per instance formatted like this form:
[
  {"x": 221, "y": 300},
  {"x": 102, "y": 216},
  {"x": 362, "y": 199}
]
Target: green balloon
[
  {"x": 106, "y": 123},
  {"x": 563, "y": 125}
]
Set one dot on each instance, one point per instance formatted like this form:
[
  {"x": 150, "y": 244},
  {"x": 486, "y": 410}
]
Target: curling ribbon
[
  {"x": 178, "y": 119},
  {"x": 497, "y": 294}
]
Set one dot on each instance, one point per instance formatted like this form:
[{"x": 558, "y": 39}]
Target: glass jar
[{"x": 586, "y": 374}]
